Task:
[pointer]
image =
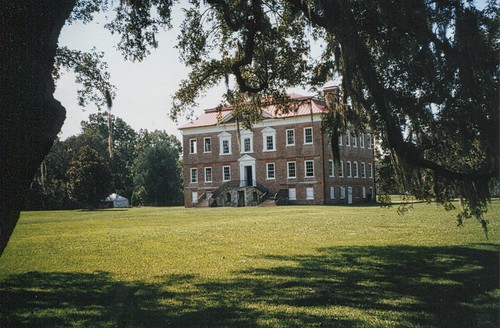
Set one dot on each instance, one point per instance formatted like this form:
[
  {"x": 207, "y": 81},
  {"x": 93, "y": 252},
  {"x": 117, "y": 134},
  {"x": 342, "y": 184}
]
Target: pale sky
[{"x": 144, "y": 89}]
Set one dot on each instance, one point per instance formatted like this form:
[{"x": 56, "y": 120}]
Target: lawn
[{"x": 297, "y": 266}]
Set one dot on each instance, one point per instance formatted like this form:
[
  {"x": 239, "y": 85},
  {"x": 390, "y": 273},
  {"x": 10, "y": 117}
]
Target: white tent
[{"x": 118, "y": 201}]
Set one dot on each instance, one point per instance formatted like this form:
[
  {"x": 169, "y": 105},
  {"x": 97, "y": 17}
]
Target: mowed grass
[{"x": 296, "y": 266}]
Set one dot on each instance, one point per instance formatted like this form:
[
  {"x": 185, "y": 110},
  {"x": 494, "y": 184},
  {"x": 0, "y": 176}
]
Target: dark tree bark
[{"x": 30, "y": 116}]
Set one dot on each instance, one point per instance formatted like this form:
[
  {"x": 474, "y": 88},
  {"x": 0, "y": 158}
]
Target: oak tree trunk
[{"x": 30, "y": 116}]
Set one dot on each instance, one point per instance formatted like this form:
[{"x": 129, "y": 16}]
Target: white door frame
[{"x": 246, "y": 160}]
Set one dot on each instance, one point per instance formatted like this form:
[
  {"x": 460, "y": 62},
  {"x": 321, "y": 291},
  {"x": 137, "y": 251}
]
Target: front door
[{"x": 248, "y": 176}]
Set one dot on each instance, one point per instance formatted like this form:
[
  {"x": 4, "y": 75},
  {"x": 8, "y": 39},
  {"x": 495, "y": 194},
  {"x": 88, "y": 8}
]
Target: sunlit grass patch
[{"x": 297, "y": 266}]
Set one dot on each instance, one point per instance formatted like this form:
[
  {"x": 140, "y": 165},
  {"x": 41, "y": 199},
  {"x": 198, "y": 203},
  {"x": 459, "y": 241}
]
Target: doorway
[
  {"x": 248, "y": 176},
  {"x": 241, "y": 198}
]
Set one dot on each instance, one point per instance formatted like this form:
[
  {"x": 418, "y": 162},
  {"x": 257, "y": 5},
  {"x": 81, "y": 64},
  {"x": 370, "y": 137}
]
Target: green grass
[{"x": 298, "y": 266}]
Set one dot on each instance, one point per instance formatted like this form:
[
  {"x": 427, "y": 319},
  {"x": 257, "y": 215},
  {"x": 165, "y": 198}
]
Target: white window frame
[
  {"x": 246, "y": 135},
  {"x": 306, "y": 162},
  {"x": 270, "y": 170},
  {"x": 193, "y": 177},
  {"x": 348, "y": 167},
  {"x": 354, "y": 141},
  {"x": 341, "y": 169},
  {"x": 309, "y": 193},
  {"x": 348, "y": 138},
  {"x": 331, "y": 168},
  {"x": 224, "y": 173},
  {"x": 211, "y": 174},
  {"x": 309, "y": 128},
  {"x": 294, "y": 170},
  {"x": 363, "y": 170},
  {"x": 370, "y": 170},
  {"x": 369, "y": 141},
  {"x": 342, "y": 192},
  {"x": 226, "y": 147},
  {"x": 340, "y": 140},
  {"x": 193, "y": 146},
  {"x": 362, "y": 140},
  {"x": 292, "y": 137},
  {"x": 332, "y": 192},
  {"x": 355, "y": 169},
  {"x": 292, "y": 194},
  {"x": 245, "y": 144},
  {"x": 224, "y": 137},
  {"x": 205, "y": 150},
  {"x": 268, "y": 132}
]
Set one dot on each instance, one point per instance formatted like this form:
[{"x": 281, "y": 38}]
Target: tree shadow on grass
[{"x": 403, "y": 286}]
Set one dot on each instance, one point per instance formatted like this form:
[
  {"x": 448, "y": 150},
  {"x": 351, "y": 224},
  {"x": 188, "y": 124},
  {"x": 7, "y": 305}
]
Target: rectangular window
[
  {"x": 226, "y": 173},
  {"x": 292, "y": 171},
  {"x": 355, "y": 169},
  {"x": 308, "y": 135},
  {"x": 354, "y": 141},
  {"x": 364, "y": 192},
  {"x": 370, "y": 170},
  {"x": 362, "y": 141},
  {"x": 348, "y": 169},
  {"x": 309, "y": 168},
  {"x": 341, "y": 169},
  {"x": 269, "y": 139},
  {"x": 270, "y": 170},
  {"x": 194, "y": 175},
  {"x": 369, "y": 141},
  {"x": 348, "y": 138},
  {"x": 290, "y": 137},
  {"x": 269, "y": 142},
  {"x": 207, "y": 145},
  {"x": 310, "y": 193},
  {"x": 225, "y": 143},
  {"x": 247, "y": 144},
  {"x": 331, "y": 168},
  {"x": 225, "y": 146},
  {"x": 292, "y": 194},
  {"x": 340, "y": 140},
  {"x": 208, "y": 174},
  {"x": 363, "y": 170},
  {"x": 342, "y": 193},
  {"x": 332, "y": 192},
  {"x": 192, "y": 146}
]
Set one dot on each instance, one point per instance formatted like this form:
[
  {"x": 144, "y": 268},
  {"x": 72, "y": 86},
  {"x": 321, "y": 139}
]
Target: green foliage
[
  {"x": 91, "y": 73},
  {"x": 157, "y": 175},
  {"x": 124, "y": 148},
  {"x": 300, "y": 266},
  {"x": 144, "y": 168},
  {"x": 89, "y": 178}
]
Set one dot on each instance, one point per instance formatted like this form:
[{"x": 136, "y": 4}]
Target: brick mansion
[{"x": 285, "y": 157}]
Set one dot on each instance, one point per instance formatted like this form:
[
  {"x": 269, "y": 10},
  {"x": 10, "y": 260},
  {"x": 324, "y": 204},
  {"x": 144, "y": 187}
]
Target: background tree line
[{"x": 80, "y": 172}]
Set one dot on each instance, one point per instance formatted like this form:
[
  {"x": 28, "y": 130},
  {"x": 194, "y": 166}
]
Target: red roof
[{"x": 307, "y": 105}]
